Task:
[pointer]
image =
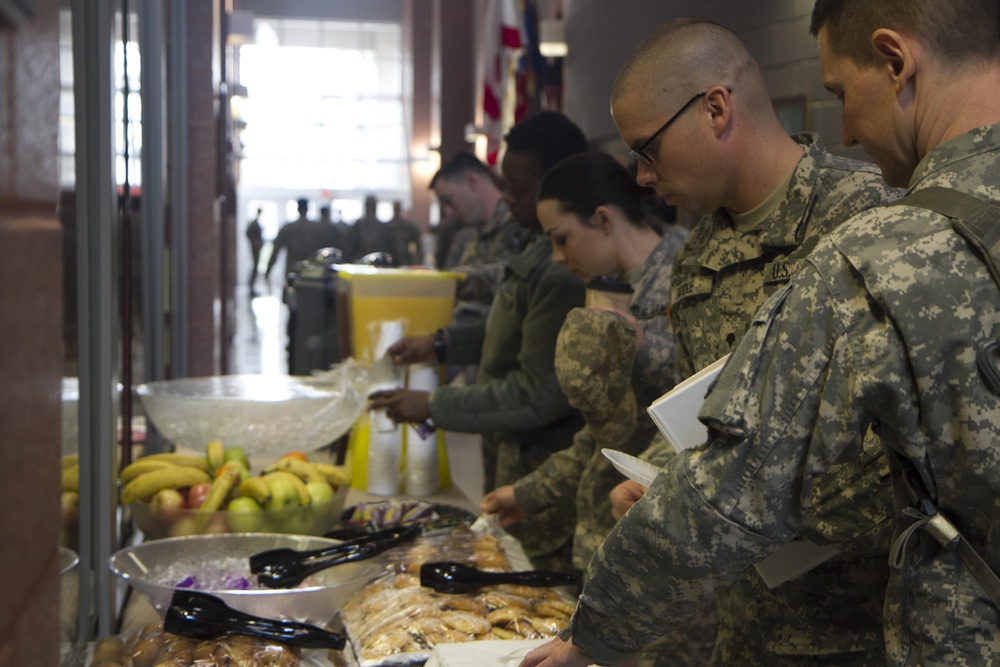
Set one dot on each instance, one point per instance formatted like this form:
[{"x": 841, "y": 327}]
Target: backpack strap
[{"x": 978, "y": 222}]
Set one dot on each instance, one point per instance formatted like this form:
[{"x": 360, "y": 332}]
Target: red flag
[{"x": 502, "y": 38}]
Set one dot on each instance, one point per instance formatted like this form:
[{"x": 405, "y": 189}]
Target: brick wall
[{"x": 30, "y": 340}]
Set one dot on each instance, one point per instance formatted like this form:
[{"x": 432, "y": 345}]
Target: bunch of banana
[
  {"x": 70, "y": 502},
  {"x": 312, "y": 471}
]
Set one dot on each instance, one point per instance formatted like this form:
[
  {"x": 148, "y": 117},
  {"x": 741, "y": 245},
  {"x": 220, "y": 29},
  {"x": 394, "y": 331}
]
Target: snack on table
[
  {"x": 395, "y": 621},
  {"x": 153, "y": 646}
]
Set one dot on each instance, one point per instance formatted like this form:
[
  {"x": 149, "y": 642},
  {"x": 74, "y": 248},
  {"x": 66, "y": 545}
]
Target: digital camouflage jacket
[{"x": 879, "y": 328}]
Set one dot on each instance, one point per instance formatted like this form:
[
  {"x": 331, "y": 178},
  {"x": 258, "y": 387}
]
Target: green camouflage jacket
[
  {"x": 516, "y": 402},
  {"x": 878, "y": 329}
]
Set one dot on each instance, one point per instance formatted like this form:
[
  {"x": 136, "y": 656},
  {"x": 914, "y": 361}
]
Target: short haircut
[
  {"x": 954, "y": 30},
  {"x": 549, "y": 136},
  {"x": 460, "y": 164},
  {"x": 689, "y": 54},
  {"x": 582, "y": 182}
]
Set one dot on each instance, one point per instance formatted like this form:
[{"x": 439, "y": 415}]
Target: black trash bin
[{"x": 313, "y": 340}]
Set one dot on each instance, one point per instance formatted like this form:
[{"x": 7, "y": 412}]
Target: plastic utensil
[
  {"x": 202, "y": 616},
  {"x": 446, "y": 577},
  {"x": 287, "y": 568}
]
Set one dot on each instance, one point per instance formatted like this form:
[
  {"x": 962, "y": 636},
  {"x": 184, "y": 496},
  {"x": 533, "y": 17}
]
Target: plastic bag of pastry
[{"x": 152, "y": 646}]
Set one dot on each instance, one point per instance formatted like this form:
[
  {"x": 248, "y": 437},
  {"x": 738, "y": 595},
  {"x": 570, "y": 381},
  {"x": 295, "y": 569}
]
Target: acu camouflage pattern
[
  {"x": 581, "y": 473},
  {"x": 721, "y": 277},
  {"x": 484, "y": 256},
  {"x": 878, "y": 329}
]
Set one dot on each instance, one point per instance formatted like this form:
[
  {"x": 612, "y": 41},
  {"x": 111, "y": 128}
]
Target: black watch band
[{"x": 440, "y": 346}]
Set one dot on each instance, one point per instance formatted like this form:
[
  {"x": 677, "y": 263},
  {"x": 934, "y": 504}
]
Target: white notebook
[
  {"x": 676, "y": 412},
  {"x": 676, "y": 415}
]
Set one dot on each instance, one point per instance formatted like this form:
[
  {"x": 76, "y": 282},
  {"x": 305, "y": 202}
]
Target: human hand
[
  {"x": 624, "y": 496},
  {"x": 556, "y": 653},
  {"x": 402, "y": 405},
  {"x": 501, "y": 501},
  {"x": 411, "y": 350}
]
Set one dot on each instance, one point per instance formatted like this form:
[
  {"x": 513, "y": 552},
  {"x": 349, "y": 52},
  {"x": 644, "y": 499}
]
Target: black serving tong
[
  {"x": 202, "y": 616},
  {"x": 445, "y": 577},
  {"x": 287, "y": 568}
]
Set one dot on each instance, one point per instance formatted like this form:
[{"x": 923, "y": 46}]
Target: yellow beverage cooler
[{"x": 366, "y": 296}]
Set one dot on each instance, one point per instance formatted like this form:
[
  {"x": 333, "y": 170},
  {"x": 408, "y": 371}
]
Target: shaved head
[{"x": 688, "y": 55}]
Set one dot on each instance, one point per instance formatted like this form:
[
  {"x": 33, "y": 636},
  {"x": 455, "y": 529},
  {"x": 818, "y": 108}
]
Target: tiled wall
[
  {"x": 30, "y": 340},
  {"x": 602, "y": 33}
]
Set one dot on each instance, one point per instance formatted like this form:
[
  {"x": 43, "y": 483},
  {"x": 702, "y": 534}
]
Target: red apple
[{"x": 197, "y": 494}]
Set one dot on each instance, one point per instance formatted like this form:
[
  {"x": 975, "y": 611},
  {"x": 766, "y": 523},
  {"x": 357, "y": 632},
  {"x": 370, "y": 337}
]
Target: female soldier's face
[{"x": 584, "y": 246}]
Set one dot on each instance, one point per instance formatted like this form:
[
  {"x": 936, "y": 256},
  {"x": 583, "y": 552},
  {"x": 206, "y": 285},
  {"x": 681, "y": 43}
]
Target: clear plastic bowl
[
  {"x": 158, "y": 522},
  {"x": 263, "y": 414}
]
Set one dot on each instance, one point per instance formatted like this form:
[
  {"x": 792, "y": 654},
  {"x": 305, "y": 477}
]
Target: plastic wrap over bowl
[
  {"x": 154, "y": 569},
  {"x": 263, "y": 414}
]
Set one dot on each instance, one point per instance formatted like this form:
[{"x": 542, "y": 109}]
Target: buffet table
[{"x": 138, "y": 612}]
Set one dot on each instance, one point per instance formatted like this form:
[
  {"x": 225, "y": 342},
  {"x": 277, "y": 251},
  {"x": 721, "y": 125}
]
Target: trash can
[{"x": 313, "y": 341}]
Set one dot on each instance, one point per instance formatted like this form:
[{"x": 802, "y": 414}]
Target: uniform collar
[{"x": 974, "y": 142}]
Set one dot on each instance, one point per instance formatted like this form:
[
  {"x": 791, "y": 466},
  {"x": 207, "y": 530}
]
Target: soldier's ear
[{"x": 603, "y": 219}]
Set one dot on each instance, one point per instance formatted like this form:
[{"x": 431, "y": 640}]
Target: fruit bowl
[
  {"x": 217, "y": 564},
  {"x": 263, "y": 414},
  {"x": 158, "y": 522}
]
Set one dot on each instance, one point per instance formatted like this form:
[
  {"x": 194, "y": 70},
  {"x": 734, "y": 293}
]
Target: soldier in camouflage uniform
[
  {"x": 879, "y": 328},
  {"x": 467, "y": 191},
  {"x": 516, "y": 403},
  {"x": 580, "y": 471},
  {"x": 590, "y": 207},
  {"x": 735, "y": 258}
]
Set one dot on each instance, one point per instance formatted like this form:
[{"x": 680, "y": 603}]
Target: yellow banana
[
  {"x": 300, "y": 486},
  {"x": 257, "y": 488},
  {"x": 147, "y": 484},
  {"x": 336, "y": 475},
  {"x": 221, "y": 488},
  {"x": 140, "y": 466},
  {"x": 215, "y": 454},
  {"x": 70, "y": 460},
  {"x": 302, "y": 469},
  {"x": 187, "y": 460},
  {"x": 71, "y": 478}
]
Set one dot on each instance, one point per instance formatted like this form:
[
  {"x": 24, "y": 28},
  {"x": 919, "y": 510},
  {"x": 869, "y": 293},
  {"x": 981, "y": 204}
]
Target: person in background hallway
[
  {"x": 255, "y": 235},
  {"x": 299, "y": 239},
  {"x": 369, "y": 234},
  {"x": 333, "y": 234},
  {"x": 516, "y": 403},
  {"x": 405, "y": 237},
  {"x": 879, "y": 328}
]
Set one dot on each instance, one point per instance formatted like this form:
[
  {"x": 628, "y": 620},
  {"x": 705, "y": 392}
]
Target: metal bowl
[
  {"x": 152, "y": 569},
  {"x": 263, "y": 414}
]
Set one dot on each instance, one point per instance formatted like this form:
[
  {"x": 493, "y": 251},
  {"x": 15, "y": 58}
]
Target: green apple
[
  {"x": 245, "y": 515},
  {"x": 237, "y": 454},
  {"x": 283, "y": 493},
  {"x": 319, "y": 492},
  {"x": 239, "y": 467}
]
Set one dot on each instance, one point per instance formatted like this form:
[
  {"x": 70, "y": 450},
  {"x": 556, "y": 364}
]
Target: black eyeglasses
[{"x": 639, "y": 154}]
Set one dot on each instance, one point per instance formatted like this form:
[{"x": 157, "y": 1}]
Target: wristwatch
[{"x": 440, "y": 346}]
